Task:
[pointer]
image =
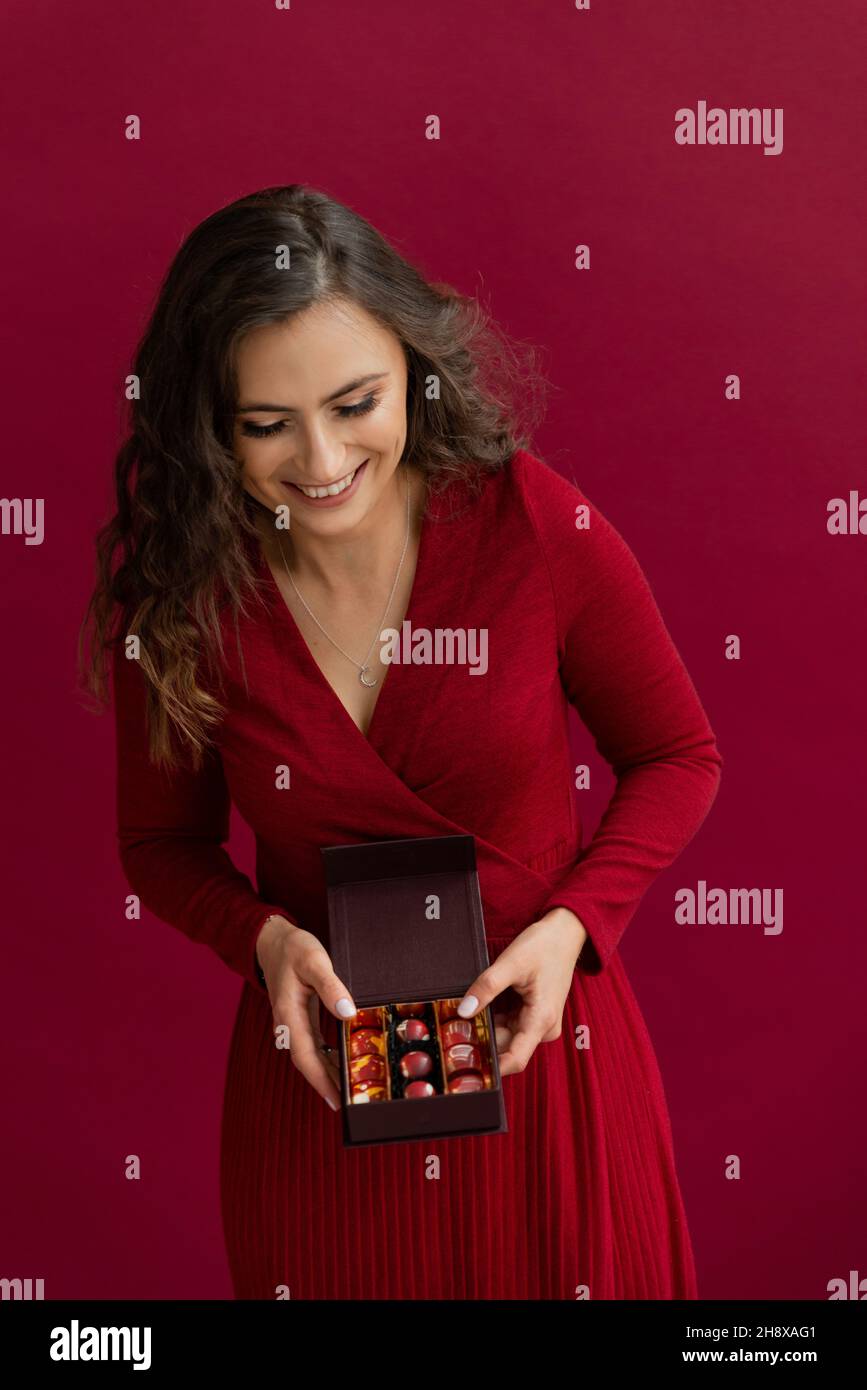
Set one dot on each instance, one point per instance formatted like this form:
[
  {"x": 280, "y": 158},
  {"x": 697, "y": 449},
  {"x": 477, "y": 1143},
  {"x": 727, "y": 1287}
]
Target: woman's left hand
[{"x": 539, "y": 966}]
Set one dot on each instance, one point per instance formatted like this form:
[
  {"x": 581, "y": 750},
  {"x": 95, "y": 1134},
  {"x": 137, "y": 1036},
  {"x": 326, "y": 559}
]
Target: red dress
[{"x": 582, "y": 1192}]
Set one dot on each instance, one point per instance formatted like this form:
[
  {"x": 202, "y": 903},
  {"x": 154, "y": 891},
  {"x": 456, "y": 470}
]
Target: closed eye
[{"x": 363, "y": 407}]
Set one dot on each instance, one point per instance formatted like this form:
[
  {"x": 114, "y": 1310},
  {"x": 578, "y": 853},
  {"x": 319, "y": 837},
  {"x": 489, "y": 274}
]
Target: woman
[{"x": 316, "y": 457}]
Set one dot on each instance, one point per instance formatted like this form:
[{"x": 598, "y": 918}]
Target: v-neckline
[{"x": 287, "y": 617}]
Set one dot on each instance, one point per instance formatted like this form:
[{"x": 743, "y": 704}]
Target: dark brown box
[{"x": 386, "y": 950}]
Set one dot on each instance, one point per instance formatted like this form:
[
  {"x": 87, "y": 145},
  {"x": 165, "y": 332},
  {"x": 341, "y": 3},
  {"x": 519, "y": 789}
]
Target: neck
[{"x": 366, "y": 556}]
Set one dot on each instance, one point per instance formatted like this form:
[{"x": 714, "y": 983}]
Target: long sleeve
[
  {"x": 171, "y": 827},
  {"x": 623, "y": 675}
]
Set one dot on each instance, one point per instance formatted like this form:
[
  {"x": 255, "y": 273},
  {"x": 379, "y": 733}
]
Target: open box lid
[{"x": 405, "y": 917}]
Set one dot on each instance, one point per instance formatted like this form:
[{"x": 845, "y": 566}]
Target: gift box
[{"x": 407, "y": 937}]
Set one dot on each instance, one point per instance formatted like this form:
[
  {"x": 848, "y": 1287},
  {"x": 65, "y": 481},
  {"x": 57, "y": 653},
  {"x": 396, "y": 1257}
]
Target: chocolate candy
[
  {"x": 367, "y": 1091},
  {"x": 415, "y": 1064},
  {"x": 448, "y": 1008},
  {"x": 458, "y": 1030},
  {"x": 462, "y": 1057},
  {"x": 416, "y": 1050},
  {"x": 366, "y": 1040},
  {"x": 467, "y": 1081},
  {"x": 367, "y": 1069},
  {"x": 413, "y": 1030},
  {"x": 366, "y": 1018},
  {"x": 416, "y": 1089}
]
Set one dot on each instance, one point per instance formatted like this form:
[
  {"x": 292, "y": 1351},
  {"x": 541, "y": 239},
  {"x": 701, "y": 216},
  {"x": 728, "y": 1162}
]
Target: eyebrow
[{"x": 344, "y": 391}]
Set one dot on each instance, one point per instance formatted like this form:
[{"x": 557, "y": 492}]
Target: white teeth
[{"x": 331, "y": 491}]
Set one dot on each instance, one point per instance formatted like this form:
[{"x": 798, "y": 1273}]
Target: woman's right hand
[{"x": 298, "y": 973}]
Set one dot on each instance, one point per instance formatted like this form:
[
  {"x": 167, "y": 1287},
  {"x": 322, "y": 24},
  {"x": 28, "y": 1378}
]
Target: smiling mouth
[{"x": 333, "y": 489}]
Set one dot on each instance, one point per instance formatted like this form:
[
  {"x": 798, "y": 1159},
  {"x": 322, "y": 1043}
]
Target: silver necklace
[{"x": 363, "y": 668}]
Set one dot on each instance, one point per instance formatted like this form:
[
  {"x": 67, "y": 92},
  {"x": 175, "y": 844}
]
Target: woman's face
[{"x": 321, "y": 402}]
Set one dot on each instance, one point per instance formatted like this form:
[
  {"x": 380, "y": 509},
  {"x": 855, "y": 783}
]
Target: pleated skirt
[{"x": 580, "y": 1199}]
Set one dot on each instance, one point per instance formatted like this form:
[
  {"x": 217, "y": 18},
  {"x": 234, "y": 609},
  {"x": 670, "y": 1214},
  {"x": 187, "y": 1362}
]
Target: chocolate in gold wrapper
[
  {"x": 366, "y": 1018},
  {"x": 365, "y": 1091},
  {"x": 367, "y": 1069},
  {"x": 364, "y": 1041}
]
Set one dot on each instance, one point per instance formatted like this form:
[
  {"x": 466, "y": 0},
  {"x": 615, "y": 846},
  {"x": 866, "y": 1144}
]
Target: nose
[{"x": 322, "y": 456}]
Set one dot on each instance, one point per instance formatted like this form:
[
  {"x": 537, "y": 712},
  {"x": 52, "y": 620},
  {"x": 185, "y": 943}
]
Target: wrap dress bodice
[{"x": 507, "y": 725}]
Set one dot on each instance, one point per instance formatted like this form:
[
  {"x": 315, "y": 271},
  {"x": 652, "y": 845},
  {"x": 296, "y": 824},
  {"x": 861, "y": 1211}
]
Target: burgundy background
[{"x": 557, "y": 128}]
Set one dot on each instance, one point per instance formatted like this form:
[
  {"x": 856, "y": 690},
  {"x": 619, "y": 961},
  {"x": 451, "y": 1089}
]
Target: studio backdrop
[{"x": 667, "y": 201}]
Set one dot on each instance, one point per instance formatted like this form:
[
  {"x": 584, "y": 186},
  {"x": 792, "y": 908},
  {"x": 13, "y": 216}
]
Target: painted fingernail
[
  {"x": 468, "y": 1006},
  {"x": 346, "y": 1008},
  {"x": 330, "y": 1102}
]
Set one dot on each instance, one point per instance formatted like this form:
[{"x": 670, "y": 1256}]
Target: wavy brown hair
[{"x": 176, "y": 549}]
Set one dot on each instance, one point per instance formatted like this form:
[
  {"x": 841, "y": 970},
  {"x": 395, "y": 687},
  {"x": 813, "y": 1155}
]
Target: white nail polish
[
  {"x": 468, "y": 1006},
  {"x": 330, "y": 1102},
  {"x": 346, "y": 1008}
]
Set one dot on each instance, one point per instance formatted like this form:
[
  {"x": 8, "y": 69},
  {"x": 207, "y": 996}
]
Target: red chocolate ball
[
  {"x": 366, "y": 1018},
  {"x": 366, "y": 1041},
  {"x": 416, "y": 1089},
  {"x": 467, "y": 1081},
  {"x": 458, "y": 1030},
  {"x": 409, "y": 1010},
  {"x": 367, "y": 1091},
  {"x": 413, "y": 1030},
  {"x": 367, "y": 1069},
  {"x": 462, "y": 1057},
  {"x": 448, "y": 1008},
  {"x": 414, "y": 1064}
]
